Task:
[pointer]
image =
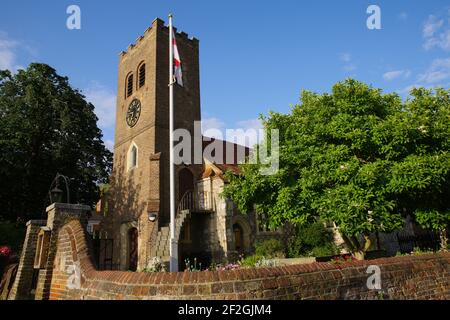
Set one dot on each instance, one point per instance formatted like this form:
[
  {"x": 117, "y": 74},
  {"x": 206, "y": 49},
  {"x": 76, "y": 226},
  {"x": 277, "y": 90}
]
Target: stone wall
[
  {"x": 21, "y": 288},
  {"x": 409, "y": 277}
]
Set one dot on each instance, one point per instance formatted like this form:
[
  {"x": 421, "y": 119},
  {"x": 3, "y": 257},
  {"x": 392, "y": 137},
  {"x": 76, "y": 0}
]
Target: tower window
[
  {"x": 129, "y": 87},
  {"x": 141, "y": 75},
  {"x": 132, "y": 159}
]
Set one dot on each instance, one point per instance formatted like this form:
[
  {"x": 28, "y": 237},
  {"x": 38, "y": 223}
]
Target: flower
[{"x": 5, "y": 251}]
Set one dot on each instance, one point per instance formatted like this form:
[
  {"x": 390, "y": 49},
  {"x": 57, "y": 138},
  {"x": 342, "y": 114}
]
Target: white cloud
[
  {"x": 438, "y": 71},
  {"x": 209, "y": 124},
  {"x": 216, "y": 128},
  {"x": 249, "y": 126},
  {"x": 391, "y": 75},
  {"x": 431, "y": 26},
  {"x": 403, "y": 16},
  {"x": 345, "y": 57},
  {"x": 407, "y": 89},
  {"x": 104, "y": 101},
  {"x": 8, "y": 57},
  {"x": 109, "y": 144},
  {"x": 436, "y": 32},
  {"x": 436, "y": 75},
  {"x": 348, "y": 64},
  {"x": 255, "y": 124}
]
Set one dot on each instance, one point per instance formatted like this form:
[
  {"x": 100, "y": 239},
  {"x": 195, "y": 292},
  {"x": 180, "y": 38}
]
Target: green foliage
[
  {"x": 311, "y": 240},
  {"x": 272, "y": 248},
  {"x": 250, "y": 261},
  {"x": 433, "y": 219},
  {"x": 155, "y": 265},
  {"x": 419, "y": 251},
  {"x": 192, "y": 266},
  {"x": 356, "y": 157},
  {"x": 46, "y": 127},
  {"x": 326, "y": 250}
]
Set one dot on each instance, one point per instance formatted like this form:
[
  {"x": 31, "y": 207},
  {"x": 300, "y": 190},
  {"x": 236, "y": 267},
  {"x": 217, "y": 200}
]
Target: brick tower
[{"x": 140, "y": 181}]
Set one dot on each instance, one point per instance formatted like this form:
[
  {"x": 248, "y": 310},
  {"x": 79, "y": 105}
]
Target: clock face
[{"x": 133, "y": 113}]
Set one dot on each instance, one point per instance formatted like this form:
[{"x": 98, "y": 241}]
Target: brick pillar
[
  {"x": 21, "y": 289},
  {"x": 58, "y": 214}
]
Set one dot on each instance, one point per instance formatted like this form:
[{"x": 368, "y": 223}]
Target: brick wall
[
  {"x": 410, "y": 277},
  {"x": 21, "y": 288}
]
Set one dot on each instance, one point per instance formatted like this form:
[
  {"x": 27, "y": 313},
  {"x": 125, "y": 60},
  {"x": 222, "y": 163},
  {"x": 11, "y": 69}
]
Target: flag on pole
[{"x": 178, "y": 74}]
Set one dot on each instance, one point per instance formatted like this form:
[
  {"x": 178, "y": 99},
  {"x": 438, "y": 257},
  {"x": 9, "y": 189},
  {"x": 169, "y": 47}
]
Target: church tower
[{"x": 139, "y": 196}]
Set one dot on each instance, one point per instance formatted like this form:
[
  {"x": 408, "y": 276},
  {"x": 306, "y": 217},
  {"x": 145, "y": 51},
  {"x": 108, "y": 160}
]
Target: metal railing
[{"x": 196, "y": 201}]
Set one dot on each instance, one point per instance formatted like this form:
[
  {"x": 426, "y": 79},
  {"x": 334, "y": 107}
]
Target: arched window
[
  {"x": 129, "y": 85},
  {"x": 132, "y": 158},
  {"x": 141, "y": 77}
]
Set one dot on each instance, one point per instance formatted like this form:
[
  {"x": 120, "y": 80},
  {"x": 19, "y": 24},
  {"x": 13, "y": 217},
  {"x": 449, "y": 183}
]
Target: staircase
[
  {"x": 162, "y": 245},
  {"x": 189, "y": 203}
]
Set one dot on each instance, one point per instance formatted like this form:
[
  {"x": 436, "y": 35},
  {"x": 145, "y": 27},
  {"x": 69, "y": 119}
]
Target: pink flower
[{"x": 5, "y": 251}]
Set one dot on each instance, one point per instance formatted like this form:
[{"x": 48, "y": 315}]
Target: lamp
[
  {"x": 56, "y": 194},
  {"x": 152, "y": 216}
]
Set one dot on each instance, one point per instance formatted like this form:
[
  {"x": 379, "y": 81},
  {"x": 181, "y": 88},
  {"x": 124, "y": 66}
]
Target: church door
[
  {"x": 185, "y": 182},
  {"x": 133, "y": 249},
  {"x": 238, "y": 238}
]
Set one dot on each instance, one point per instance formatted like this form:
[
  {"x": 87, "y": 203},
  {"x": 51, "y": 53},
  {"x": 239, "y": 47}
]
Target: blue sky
[{"x": 255, "y": 56}]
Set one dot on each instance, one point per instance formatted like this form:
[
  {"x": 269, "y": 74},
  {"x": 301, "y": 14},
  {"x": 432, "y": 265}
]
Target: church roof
[{"x": 213, "y": 168}]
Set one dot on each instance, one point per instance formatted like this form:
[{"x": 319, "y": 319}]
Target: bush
[
  {"x": 266, "y": 263},
  {"x": 324, "y": 251},
  {"x": 272, "y": 248},
  {"x": 250, "y": 261},
  {"x": 155, "y": 265},
  {"x": 311, "y": 240}
]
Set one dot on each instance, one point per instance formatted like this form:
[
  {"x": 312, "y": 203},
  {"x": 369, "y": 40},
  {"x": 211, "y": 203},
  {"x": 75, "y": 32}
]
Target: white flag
[{"x": 178, "y": 74}]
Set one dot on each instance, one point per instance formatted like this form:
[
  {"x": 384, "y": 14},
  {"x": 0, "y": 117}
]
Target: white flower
[{"x": 422, "y": 129}]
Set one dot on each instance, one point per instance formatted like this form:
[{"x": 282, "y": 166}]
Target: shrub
[
  {"x": 192, "y": 267},
  {"x": 266, "y": 263},
  {"x": 272, "y": 248},
  {"x": 155, "y": 265},
  {"x": 250, "y": 261},
  {"x": 329, "y": 249},
  {"x": 311, "y": 240}
]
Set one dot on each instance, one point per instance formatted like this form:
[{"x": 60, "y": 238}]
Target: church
[{"x": 135, "y": 216}]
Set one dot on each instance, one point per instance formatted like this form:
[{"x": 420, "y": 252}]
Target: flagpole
[{"x": 173, "y": 240}]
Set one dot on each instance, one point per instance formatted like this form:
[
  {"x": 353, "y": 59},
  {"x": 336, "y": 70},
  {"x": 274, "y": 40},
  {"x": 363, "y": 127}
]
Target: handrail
[{"x": 195, "y": 201}]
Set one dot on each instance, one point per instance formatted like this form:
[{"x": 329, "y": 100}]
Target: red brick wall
[{"x": 410, "y": 277}]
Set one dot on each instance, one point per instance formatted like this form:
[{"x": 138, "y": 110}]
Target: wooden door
[{"x": 133, "y": 249}]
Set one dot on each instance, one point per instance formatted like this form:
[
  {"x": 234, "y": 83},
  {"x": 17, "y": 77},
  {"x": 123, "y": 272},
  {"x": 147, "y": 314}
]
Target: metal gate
[
  {"x": 103, "y": 254},
  {"x": 425, "y": 241}
]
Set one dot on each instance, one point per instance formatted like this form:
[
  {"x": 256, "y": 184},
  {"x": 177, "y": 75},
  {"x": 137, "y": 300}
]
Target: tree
[
  {"x": 335, "y": 164},
  {"x": 419, "y": 142},
  {"x": 46, "y": 127}
]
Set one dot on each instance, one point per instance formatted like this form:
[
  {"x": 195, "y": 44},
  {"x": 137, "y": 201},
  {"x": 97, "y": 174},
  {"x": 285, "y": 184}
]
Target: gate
[
  {"x": 103, "y": 254},
  {"x": 424, "y": 241}
]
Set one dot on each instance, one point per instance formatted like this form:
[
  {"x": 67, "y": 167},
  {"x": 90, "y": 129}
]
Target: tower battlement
[{"x": 157, "y": 22}]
